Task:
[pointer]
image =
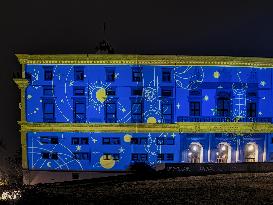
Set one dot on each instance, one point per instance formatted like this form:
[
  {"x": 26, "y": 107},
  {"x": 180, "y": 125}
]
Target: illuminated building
[{"x": 84, "y": 115}]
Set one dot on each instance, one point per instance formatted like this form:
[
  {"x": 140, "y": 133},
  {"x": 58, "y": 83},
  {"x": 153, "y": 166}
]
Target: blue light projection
[{"x": 145, "y": 94}]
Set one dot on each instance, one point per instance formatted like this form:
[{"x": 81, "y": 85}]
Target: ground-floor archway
[
  {"x": 251, "y": 152},
  {"x": 223, "y": 154},
  {"x": 195, "y": 153}
]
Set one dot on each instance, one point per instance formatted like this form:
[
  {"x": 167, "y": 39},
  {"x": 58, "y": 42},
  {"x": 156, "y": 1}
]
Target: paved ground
[{"x": 247, "y": 188}]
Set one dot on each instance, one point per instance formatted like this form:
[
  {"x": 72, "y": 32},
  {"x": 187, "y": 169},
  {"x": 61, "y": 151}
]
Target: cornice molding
[
  {"x": 21, "y": 82},
  {"x": 182, "y": 127},
  {"x": 167, "y": 60}
]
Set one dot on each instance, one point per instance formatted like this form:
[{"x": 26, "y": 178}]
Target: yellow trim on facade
[
  {"x": 181, "y": 127},
  {"x": 22, "y": 84},
  {"x": 168, "y": 60},
  {"x": 24, "y": 150}
]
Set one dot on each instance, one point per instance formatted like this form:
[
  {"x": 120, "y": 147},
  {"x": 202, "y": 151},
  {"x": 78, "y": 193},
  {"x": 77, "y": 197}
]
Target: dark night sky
[{"x": 145, "y": 27}]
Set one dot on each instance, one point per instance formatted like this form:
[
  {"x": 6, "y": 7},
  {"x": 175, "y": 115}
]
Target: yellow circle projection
[
  {"x": 101, "y": 95},
  {"x": 151, "y": 120},
  {"x": 216, "y": 74},
  {"x": 107, "y": 163},
  {"x": 127, "y": 138}
]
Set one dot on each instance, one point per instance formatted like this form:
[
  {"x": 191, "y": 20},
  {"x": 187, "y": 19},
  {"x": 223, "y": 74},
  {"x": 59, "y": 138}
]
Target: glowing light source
[
  {"x": 194, "y": 148},
  {"x": 250, "y": 148},
  {"x": 11, "y": 195},
  {"x": 190, "y": 154},
  {"x": 223, "y": 148}
]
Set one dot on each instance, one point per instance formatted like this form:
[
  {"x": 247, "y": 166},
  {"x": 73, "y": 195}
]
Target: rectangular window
[
  {"x": 110, "y": 75},
  {"x": 48, "y": 91},
  {"x": 115, "y": 156},
  {"x": 48, "y": 73},
  {"x": 272, "y": 140},
  {"x": 111, "y": 140},
  {"x": 165, "y": 157},
  {"x": 116, "y": 140},
  {"x": 166, "y": 92},
  {"x": 167, "y": 113},
  {"x": 111, "y": 92},
  {"x": 143, "y": 157},
  {"x": 79, "y": 110},
  {"x": 137, "y": 91},
  {"x": 44, "y": 139},
  {"x": 223, "y": 106},
  {"x": 84, "y": 140},
  {"x": 251, "y": 109},
  {"x": 54, "y": 140},
  {"x": 194, "y": 108},
  {"x": 166, "y": 75},
  {"x": 75, "y": 140},
  {"x": 78, "y": 91},
  {"x": 134, "y": 157},
  {"x": 79, "y": 140},
  {"x": 139, "y": 157},
  {"x": 160, "y": 156},
  {"x": 106, "y": 140},
  {"x": 139, "y": 141},
  {"x": 108, "y": 156},
  {"x": 48, "y": 110},
  {"x": 49, "y": 140},
  {"x": 45, "y": 155},
  {"x": 137, "y": 112},
  {"x": 54, "y": 156},
  {"x": 134, "y": 140},
  {"x": 111, "y": 112},
  {"x": 136, "y": 74},
  {"x": 81, "y": 155},
  {"x": 143, "y": 140},
  {"x": 169, "y": 157},
  {"x": 78, "y": 73},
  {"x": 165, "y": 141}
]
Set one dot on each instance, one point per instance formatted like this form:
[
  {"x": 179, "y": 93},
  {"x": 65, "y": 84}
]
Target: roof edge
[{"x": 135, "y": 59}]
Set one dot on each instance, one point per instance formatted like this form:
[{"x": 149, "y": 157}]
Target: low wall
[{"x": 213, "y": 168}]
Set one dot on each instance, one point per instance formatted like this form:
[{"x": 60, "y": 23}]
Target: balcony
[{"x": 222, "y": 119}]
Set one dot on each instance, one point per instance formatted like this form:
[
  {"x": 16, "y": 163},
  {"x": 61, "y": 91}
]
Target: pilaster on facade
[{"x": 22, "y": 84}]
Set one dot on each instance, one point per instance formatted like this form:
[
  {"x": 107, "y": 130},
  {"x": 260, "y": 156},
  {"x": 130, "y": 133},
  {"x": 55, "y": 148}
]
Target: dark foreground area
[{"x": 245, "y": 188}]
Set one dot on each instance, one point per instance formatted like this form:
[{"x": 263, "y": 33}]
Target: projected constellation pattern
[
  {"x": 239, "y": 99},
  {"x": 59, "y": 102},
  {"x": 189, "y": 78},
  {"x": 65, "y": 159}
]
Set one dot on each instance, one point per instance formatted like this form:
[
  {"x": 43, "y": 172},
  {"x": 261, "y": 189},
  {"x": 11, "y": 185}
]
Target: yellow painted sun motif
[
  {"x": 151, "y": 120},
  {"x": 107, "y": 163},
  {"x": 127, "y": 138},
  {"x": 101, "y": 95},
  {"x": 216, "y": 74}
]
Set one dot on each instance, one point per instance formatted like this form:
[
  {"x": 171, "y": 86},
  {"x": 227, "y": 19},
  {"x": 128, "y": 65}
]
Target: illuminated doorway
[
  {"x": 251, "y": 152},
  {"x": 223, "y": 153},
  {"x": 195, "y": 154}
]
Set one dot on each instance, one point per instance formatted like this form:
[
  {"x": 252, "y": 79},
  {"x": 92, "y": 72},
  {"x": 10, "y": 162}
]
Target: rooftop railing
[{"x": 222, "y": 119}]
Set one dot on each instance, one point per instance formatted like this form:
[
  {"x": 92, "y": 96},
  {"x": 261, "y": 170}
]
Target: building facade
[{"x": 91, "y": 114}]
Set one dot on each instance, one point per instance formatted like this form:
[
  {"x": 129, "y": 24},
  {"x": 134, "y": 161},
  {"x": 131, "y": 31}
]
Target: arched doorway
[
  {"x": 195, "y": 154},
  {"x": 251, "y": 152},
  {"x": 223, "y": 153}
]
